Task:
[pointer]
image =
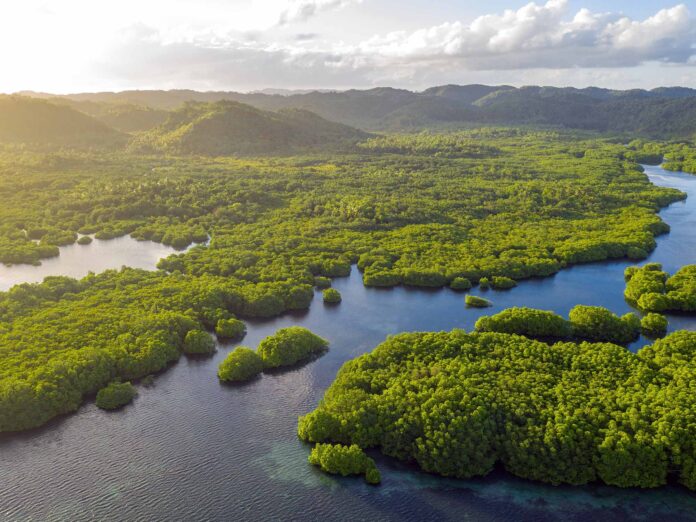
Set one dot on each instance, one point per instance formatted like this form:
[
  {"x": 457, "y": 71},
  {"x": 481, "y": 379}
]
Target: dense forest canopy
[
  {"x": 458, "y": 404},
  {"x": 432, "y": 211}
]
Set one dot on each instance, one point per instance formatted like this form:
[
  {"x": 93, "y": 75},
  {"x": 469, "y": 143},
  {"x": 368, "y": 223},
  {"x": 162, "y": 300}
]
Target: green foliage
[
  {"x": 230, "y": 329},
  {"x": 563, "y": 413},
  {"x": 84, "y": 240},
  {"x": 198, "y": 342},
  {"x": 654, "y": 325},
  {"x": 596, "y": 323},
  {"x": 502, "y": 283},
  {"x": 592, "y": 323},
  {"x": 49, "y": 125},
  {"x": 322, "y": 282},
  {"x": 226, "y": 127},
  {"x": 527, "y": 321},
  {"x": 651, "y": 289},
  {"x": 115, "y": 395},
  {"x": 289, "y": 346},
  {"x": 241, "y": 364},
  {"x": 331, "y": 296},
  {"x": 477, "y": 302},
  {"x": 543, "y": 200},
  {"x": 484, "y": 283},
  {"x": 456, "y": 145},
  {"x": 460, "y": 283},
  {"x": 343, "y": 460}
]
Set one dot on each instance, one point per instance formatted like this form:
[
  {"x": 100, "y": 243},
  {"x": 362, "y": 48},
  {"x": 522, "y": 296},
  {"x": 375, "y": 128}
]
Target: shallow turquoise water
[{"x": 190, "y": 448}]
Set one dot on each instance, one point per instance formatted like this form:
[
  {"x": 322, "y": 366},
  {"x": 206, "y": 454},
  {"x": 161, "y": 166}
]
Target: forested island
[{"x": 460, "y": 403}]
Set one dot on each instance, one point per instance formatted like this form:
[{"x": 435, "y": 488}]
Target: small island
[
  {"x": 240, "y": 365},
  {"x": 286, "y": 347},
  {"x": 473, "y": 301},
  {"x": 290, "y": 346},
  {"x": 338, "y": 459},
  {"x": 590, "y": 323},
  {"x": 331, "y": 296}
]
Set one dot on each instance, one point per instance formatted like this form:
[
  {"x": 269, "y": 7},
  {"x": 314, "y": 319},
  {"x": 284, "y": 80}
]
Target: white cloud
[
  {"x": 256, "y": 46},
  {"x": 302, "y": 10},
  {"x": 539, "y": 36}
]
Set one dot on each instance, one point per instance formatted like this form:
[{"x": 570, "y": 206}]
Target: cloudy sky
[{"x": 86, "y": 45}]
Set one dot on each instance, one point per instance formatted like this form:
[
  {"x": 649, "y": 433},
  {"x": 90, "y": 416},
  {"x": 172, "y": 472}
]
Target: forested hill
[
  {"x": 27, "y": 120},
  {"x": 227, "y": 127},
  {"x": 662, "y": 111}
]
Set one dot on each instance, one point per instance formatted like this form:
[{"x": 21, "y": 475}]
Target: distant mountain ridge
[{"x": 662, "y": 110}]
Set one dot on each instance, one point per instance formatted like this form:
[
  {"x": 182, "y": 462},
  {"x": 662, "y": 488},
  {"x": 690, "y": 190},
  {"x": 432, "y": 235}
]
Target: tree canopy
[{"x": 457, "y": 404}]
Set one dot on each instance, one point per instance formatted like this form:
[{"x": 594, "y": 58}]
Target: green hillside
[
  {"x": 226, "y": 127},
  {"x": 29, "y": 120}
]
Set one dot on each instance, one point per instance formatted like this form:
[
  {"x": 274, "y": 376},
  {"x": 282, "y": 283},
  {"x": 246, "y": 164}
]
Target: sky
[{"x": 64, "y": 46}]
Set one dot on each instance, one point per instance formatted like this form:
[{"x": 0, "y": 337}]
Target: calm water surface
[
  {"x": 77, "y": 260},
  {"x": 190, "y": 448}
]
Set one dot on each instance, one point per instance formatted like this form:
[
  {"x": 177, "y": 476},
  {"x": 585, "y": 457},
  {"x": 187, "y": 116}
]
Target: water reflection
[{"x": 77, "y": 260}]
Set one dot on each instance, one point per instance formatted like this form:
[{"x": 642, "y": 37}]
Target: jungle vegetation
[
  {"x": 269, "y": 227},
  {"x": 230, "y": 329},
  {"x": 651, "y": 289},
  {"x": 290, "y": 346},
  {"x": 344, "y": 460},
  {"x": 241, "y": 364},
  {"x": 654, "y": 325},
  {"x": 475, "y": 301},
  {"x": 593, "y": 323},
  {"x": 331, "y": 296},
  {"x": 115, "y": 395},
  {"x": 458, "y": 404}
]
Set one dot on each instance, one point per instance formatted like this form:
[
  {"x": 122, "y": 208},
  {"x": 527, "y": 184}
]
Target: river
[{"x": 190, "y": 448}]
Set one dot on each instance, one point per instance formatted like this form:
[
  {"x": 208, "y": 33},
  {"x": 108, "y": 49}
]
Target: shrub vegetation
[
  {"x": 115, "y": 395},
  {"x": 331, "y": 296},
  {"x": 652, "y": 290},
  {"x": 343, "y": 460},
  {"x": 289, "y": 346},
  {"x": 654, "y": 325},
  {"x": 241, "y": 364},
  {"x": 230, "y": 329},
  {"x": 474, "y": 301},
  {"x": 198, "y": 342}
]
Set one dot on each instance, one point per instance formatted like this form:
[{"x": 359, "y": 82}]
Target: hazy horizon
[
  {"x": 291, "y": 91},
  {"x": 74, "y": 46}
]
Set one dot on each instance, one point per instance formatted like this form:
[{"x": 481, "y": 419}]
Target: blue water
[
  {"x": 190, "y": 448},
  {"x": 77, "y": 260}
]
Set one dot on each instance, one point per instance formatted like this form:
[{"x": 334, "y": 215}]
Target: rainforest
[{"x": 263, "y": 238}]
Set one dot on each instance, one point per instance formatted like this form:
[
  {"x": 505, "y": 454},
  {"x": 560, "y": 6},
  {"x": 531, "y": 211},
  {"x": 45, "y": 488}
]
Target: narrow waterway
[{"x": 190, "y": 448}]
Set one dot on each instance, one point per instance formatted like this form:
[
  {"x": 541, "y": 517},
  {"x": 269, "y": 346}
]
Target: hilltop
[
  {"x": 658, "y": 112},
  {"x": 35, "y": 121},
  {"x": 227, "y": 127}
]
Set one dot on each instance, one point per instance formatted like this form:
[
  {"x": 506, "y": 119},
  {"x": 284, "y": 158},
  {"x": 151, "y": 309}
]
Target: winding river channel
[{"x": 191, "y": 448}]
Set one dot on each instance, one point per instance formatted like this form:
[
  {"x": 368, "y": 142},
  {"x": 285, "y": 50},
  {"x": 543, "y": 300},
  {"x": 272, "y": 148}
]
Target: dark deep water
[{"x": 190, "y": 448}]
